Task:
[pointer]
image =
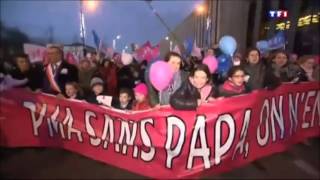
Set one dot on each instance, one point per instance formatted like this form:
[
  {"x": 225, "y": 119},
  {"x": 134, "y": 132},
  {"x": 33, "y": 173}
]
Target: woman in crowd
[
  {"x": 72, "y": 91},
  {"x": 163, "y": 97},
  {"x": 308, "y": 70},
  {"x": 108, "y": 72},
  {"x": 259, "y": 74},
  {"x": 86, "y": 71},
  {"x": 194, "y": 91},
  {"x": 25, "y": 70},
  {"x": 141, "y": 97},
  {"x": 235, "y": 84},
  {"x": 282, "y": 68}
]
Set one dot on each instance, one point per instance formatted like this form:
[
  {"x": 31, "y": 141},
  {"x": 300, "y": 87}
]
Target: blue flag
[
  {"x": 278, "y": 41},
  {"x": 96, "y": 39},
  {"x": 188, "y": 45}
]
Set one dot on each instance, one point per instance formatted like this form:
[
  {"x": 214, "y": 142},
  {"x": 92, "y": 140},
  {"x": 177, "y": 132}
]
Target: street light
[
  {"x": 91, "y": 5},
  {"x": 125, "y": 49},
  {"x": 114, "y": 41},
  {"x": 170, "y": 42},
  {"x": 200, "y": 9}
]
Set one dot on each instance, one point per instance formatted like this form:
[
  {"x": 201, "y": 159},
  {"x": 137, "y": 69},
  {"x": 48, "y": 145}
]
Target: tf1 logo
[{"x": 278, "y": 13}]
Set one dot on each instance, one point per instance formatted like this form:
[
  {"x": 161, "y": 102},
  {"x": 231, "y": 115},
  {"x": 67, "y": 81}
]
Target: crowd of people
[{"x": 130, "y": 86}]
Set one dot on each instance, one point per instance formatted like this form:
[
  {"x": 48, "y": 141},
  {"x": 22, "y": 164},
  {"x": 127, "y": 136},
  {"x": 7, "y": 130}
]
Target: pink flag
[
  {"x": 156, "y": 51},
  {"x": 144, "y": 52}
]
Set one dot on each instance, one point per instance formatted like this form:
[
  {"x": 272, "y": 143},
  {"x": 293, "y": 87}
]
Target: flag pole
[{"x": 82, "y": 28}]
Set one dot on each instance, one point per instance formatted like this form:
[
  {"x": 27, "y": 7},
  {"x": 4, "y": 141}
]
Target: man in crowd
[{"x": 58, "y": 72}]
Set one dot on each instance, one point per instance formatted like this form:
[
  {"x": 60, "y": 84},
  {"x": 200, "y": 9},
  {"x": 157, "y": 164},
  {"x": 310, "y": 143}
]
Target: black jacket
[
  {"x": 34, "y": 76},
  {"x": 116, "y": 104},
  {"x": 302, "y": 75},
  {"x": 186, "y": 97},
  {"x": 125, "y": 78},
  {"x": 65, "y": 73},
  {"x": 261, "y": 76}
]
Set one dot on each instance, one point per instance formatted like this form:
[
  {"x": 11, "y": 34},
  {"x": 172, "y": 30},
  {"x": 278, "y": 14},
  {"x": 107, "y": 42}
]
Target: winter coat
[
  {"x": 186, "y": 97},
  {"x": 261, "y": 76}
]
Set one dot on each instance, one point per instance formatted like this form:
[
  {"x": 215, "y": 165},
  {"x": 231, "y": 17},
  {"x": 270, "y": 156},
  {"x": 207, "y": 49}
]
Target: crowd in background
[{"x": 130, "y": 86}]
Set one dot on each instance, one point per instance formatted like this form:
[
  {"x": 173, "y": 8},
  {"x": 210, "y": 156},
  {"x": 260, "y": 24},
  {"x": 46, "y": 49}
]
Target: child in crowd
[
  {"x": 72, "y": 91},
  {"x": 141, "y": 94},
  {"x": 235, "y": 84},
  {"x": 97, "y": 89},
  {"x": 125, "y": 100}
]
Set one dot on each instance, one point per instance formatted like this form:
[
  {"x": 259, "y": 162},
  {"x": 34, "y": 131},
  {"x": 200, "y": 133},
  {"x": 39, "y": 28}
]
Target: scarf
[
  {"x": 205, "y": 92},
  {"x": 231, "y": 87}
]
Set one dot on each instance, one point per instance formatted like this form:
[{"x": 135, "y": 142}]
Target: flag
[
  {"x": 156, "y": 51},
  {"x": 278, "y": 41},
  {"x": 144, "y": 52},
  {"x": 96, "y": 39},
  {"x": 188, "y": 45},
  {"x": 208, "y": 32}
]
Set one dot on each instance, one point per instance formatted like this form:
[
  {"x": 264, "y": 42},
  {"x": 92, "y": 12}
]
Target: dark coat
[
  {"x": 34, "y": 75},
  {"x": 186, "y": 97},
  {"x": 61, "y": 77},
  {"x": 153, "y": 94},
  {"x": 302, "y": 75},
  {"x": 116, "y": 104},
  {"x": 261, "y": 76},
  {"x": 125, "y": 78},
  {"x": 78, "y": 97},
  {"x": 92, "y": 98},
  {"x": 286, "y": 73}
]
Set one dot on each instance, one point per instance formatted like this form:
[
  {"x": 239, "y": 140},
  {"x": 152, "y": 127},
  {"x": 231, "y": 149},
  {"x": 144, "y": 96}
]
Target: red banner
[{"x": 166, "y": 143}]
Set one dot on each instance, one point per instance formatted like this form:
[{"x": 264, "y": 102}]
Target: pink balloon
[
  {"x": 160, "y": 75},
  {"x": 211, "y": 62}
]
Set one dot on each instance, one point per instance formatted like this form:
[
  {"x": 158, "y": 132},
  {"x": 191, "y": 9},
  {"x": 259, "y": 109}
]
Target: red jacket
[
  {"x": 141, "y": 106},
  {"x": 109, "y": 75}
]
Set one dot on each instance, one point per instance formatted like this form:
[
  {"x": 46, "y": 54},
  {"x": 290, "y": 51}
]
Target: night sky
[{"x": 133, "y": 20}]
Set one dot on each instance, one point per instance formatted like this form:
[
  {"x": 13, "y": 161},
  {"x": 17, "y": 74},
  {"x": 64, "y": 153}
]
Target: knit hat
[
  {"x": 96, "y": 80},
  {"x": 141, "y": 88}
]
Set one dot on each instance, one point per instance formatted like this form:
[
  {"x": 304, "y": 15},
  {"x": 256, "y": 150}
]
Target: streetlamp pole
[
  {"x": 82, "y": 28},
  {"x": 114, "y": 41}
]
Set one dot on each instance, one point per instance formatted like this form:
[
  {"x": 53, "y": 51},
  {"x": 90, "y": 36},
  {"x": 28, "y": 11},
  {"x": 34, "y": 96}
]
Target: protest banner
[{"x": 166, "y": 143}]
